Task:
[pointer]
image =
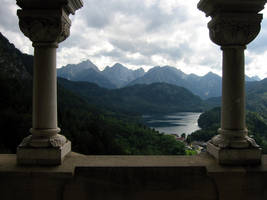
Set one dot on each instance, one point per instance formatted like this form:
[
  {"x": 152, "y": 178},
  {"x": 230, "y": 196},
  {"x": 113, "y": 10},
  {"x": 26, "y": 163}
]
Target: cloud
[
  {"x": 140, "y": 33},
  {"x": 8, "y": 16}
]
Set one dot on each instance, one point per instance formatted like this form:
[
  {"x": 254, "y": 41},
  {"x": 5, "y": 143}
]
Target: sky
[{"x": 140, "y": 33}]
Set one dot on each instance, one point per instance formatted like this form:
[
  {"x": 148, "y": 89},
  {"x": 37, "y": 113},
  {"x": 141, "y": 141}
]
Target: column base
[
  {"x": 230, "y": 156},
  {"x": 42, "y": 156}
]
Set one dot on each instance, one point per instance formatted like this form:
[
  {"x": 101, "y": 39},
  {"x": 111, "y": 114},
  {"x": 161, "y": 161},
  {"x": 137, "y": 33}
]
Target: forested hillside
[
  {"x": 91, "y": 130},
  {"x": 138, "y": 99},
  {"x": 209, "y": 122}
]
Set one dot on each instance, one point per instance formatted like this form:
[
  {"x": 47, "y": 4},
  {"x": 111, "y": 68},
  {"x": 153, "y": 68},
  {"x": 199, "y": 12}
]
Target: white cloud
[{"x": 140, "y": 33}]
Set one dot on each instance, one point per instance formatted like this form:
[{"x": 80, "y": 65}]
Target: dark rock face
[{"x": 12, "y": 61}]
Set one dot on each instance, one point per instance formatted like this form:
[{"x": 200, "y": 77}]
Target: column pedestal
[
  {"x": 42, "y": 156},
  {"x": 226, "y": 156}
]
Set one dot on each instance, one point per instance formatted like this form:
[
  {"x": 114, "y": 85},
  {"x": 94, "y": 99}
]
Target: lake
[{"x": 176, "y": 123}]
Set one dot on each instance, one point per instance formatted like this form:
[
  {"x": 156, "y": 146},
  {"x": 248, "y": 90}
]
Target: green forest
[
  {"x": 209, "y": 122},
  {"x": 92, "y": 130},
  {"x": 97, "y": 124}
]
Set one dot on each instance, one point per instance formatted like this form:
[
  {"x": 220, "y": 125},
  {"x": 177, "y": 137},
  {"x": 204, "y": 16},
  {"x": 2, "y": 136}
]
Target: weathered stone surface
[
  {"x": 213, "y": 7},
  {"x": 229, "y": 156},
  {"x": 42, "y": 156},
  {"x": 228, "y": 29},
  {"x": 45, "y": 26},
  {"x": 70, "y": 6},
  {"x": 132, "y": 177}
]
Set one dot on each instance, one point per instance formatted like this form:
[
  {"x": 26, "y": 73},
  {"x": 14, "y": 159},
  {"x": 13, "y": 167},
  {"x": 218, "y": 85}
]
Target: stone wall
[{"x": 132, "y": 177}]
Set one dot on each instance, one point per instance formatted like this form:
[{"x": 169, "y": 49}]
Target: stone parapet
[{"x": 133, "y": 177}]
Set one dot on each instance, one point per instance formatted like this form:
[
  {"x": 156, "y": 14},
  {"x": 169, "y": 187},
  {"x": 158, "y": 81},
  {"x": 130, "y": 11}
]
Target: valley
[{"x": 100, "y": 111}]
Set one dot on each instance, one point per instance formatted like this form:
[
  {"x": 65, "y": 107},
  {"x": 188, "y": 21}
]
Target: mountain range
[
  {"x": 88, "y": 113},
  {"x": 91, "y": 129},
  {"x": 134, "y": 99},
  {"x": 119, "y": 76}
]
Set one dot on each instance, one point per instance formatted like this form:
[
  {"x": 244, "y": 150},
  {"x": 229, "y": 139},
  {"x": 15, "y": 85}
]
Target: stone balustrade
[
  {"x": 233, "y": 25},
  {"x": 133, "y": 178}
]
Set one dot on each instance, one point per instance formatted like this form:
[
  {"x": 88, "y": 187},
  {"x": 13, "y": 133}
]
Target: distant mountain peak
[
  {"x": 118, "y": 65},
  {"x": 211, "y": 74},
  {"x": 86, "y": 64},
  {"x": 140, "y": 70},
  {"x": 84, "y": 71},
  {"x": 252, "y": 78},
  {"x": 121, "y": 75},
  {"x": 107, "y": 67}
]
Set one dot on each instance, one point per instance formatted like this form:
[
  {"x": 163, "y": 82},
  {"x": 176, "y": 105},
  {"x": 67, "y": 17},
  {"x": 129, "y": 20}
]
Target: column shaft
[
  {"x": 45, "y": 89},
  {"x": 233, "y": 89}
]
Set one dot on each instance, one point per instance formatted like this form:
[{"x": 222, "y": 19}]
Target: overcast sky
[{"x": 140, "y": 33}]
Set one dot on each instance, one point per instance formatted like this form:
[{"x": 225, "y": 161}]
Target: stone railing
[
  {"x": 133, "y": 178},
  {"x": 234, "y": 24}
]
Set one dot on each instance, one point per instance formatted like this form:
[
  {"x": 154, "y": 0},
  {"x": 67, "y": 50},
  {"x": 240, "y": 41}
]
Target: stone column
[
  {"x": 45, "y": 127},
  {"x": 233, "y": 25},
  {"x": 45, "y": 28}
]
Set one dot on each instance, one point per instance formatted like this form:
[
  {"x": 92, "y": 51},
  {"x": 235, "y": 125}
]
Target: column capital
[
  {"x": 44, "y": 26},
  {"x": 69, "y": 6},
  {"x": 46, "y": 21},
  {"x": 234, "y": 22},
  {"x": 234, "y": 29},
  {"x": 213, "y": 7}
]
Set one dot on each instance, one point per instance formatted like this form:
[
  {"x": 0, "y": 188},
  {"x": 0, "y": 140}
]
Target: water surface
[{"x": 177, "y": 123}]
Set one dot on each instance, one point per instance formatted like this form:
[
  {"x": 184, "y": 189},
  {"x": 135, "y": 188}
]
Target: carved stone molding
[
  {"x": 70, "y": 6},
  {"x": 234, "y": 29},
  {"x": 55, "y": 141},
  {"x": 44, "y": 26},
  {"x": 233, "y": 141},
  {"x": 212, "y": 7}
]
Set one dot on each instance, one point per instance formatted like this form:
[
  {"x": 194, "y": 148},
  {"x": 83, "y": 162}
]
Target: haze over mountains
[{"x": 119, "y": 76}]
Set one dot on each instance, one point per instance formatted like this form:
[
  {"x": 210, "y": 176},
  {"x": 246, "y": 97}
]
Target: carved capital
[
  {"x": 44, "y": 26},
  {"x": 234, "y": 29}
]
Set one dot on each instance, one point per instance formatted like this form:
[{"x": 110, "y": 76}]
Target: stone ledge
[{"x": 133, "y": 177}]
